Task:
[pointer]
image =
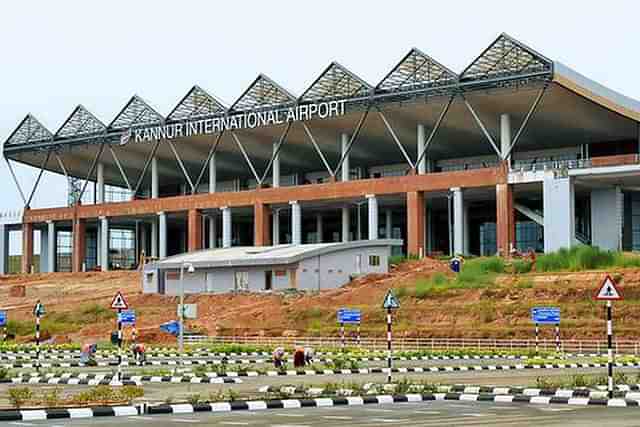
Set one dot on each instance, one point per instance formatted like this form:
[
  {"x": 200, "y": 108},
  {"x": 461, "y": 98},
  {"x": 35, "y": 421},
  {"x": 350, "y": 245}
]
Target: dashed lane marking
[
  {"x": 185, "y": 420},
  {"x": 136, "y": 417},
  {"x": 336, "y": 417}
]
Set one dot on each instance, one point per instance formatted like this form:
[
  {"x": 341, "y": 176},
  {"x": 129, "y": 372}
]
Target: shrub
[
  {"x": 584, "y": 257},
  {"x": 521, "y": 266},
  {"x": 18, "y": 396}
]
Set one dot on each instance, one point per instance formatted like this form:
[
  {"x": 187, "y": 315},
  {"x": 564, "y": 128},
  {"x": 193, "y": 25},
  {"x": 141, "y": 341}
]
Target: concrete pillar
[
  {"x": 505, "y": 136},
  {"x": 162, "y": 235},
  {"x": 212, "y": 174},
  {"x": 344, "y": 142},
  {"x": 466, "y": 229},
  {"x": 458, "y": 221},
  {"x": 558, "y": 204},
  {"x": 372, "y": 203},
  {"x": 104, "y": 244},
  {"x": 606, "y": 218},
  {"x": 415, "y": 223},
  {"x": 142, "y": 245},
  {"x": 422, "y": 164},
  {"x": 358, "y": 222},
  {"x": 261, "y": 224},
  {"x": 4, "y": 249},
  {"x": 51, "y": 248},
  {"x": 194, "y": 230},
  {"x": 27, "y": 247},
  {"x": 275, "y": 168},
  {"x": 226, "y": 227},
  {"x": 275, "y": 227},
  {"x": 428, "y": 230},
  {"x": 79, "y": 245},
  {"x": 505, "y": 219},
  {"x": 44, "y": 250},
  {"x": 319, "y": 228},
  {"x": 100, "y": 194},
  {"x": 296, "y": 223},
  {"x": 213, "y": 231},
  {"x": 155, "y": 184},
  {"x": 388, "y": 224},
  {"x": 154, "y": 237},
  {"x": 346, "y": 223}
]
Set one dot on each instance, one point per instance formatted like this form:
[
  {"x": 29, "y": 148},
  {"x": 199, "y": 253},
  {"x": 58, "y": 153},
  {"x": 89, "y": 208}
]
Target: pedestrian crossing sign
[
  {"x": 390, "y": 301},
  {"x": 118, "y": 302},
  {"x": 608, "y": 290}
]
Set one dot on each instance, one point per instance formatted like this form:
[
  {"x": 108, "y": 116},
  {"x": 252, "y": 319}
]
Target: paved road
[{"x": 425, "y": 414}]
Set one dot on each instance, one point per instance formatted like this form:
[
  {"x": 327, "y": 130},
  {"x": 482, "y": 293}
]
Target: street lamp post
[{"x": 190, "y": 269}]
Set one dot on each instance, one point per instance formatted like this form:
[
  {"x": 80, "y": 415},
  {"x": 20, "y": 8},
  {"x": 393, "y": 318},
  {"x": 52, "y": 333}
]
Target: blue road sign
[
  {"x": 172, "y": 327},
  {"x": 127, "y": 318},
  {"x": 548, "y": 315},
  {"x": 3, "y": 318},
  {"x": 346, "y": 315}
]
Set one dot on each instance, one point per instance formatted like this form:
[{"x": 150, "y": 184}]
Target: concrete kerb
[
  {"x": 110, "y": 379},
  {"x": 70, "y": 413},
  {"x": 302, "y": 372}
]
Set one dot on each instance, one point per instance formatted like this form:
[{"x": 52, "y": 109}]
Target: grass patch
[{"x": 583, "y": 257}]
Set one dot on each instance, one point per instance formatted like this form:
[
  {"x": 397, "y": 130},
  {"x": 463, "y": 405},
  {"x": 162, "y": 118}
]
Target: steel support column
[
  {"x": 319, "y": 228},
  {"x": 372, "y": 203},
  {"x": 104, "y": 244},
  {"x": 100, "y": 193},
  {"x": 4, "y": 249},
  {"x": 458, "y": 221},
  {"x": 154, "y": 238},
  {"x": 155, "y": 183},
  {"x": 346, "y": 223},
  {"x": 226, "y": 227},
  {"x": 275, "y": 227},
  {"x": 344, "y": 147},
  {"x": 296, "y": 223},
  {"x": 162, "y": 235},
  {"x": 422, "y": 165}
]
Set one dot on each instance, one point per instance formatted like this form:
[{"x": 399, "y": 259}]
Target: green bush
[
  {"x": 18, "y": 396},
  {"x": 583, "y": 257},
  {"x": 521, "y": 266}
]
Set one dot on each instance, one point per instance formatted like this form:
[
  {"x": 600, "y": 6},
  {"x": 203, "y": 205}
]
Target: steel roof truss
[
  {"x": 15, "y": 180},
  {"x": 353, "y": 138},
  {"x": 482, "y": 127},
  {"x": 417, "y": 69},
  {"x": 179, "y": 160},
  {"x": 263, "y": 92},
  {"x": 35, "y": 185},
  {"x": 396, "y": 139},
  {"x": 336, "y": 82},
  {"x": 93, "y": 167},
  {"x": 146, "y": 167},
  {"x": 435, "y": 129},
  {"x": 281, "y": 141},
  {"x": 80, "y": 122},
  {"x": 120, "y": 168},
  {"x": 524, "y": 123},
  {"x": 29, "y": 130},
  {"x": 317, "y": 148},
  {"x": 247, "y": 159},
  {"x": 136, "y": 113},
  {"x": 196, "y": 103},
  {"x": 212, "y": 152}
]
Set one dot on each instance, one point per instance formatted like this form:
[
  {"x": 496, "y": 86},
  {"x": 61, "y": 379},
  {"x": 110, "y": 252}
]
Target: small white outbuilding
[{"x": 304, "y": 267}]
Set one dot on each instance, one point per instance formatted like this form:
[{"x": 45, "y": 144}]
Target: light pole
[{"x": 190, "y": 269}]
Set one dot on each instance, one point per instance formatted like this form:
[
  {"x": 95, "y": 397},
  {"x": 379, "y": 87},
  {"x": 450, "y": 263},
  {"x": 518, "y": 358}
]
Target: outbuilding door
[{"x": 208, "y": 283}]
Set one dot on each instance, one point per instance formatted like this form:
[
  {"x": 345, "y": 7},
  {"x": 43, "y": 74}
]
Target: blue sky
[{"x": 55, "y": 55}]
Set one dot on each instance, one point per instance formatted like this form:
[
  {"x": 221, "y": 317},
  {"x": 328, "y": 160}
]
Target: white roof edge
[
  {"x": 175, "y": 261},
  {"x": 595, "y": 91}
]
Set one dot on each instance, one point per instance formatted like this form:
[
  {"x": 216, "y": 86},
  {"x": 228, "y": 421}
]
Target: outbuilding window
[
  {"x": 241, "y": 280},
  {"x": 374, "y": 260}
]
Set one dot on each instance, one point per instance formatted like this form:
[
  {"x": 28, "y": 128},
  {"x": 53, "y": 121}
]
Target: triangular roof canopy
[
  {"x": 29, "y": 131},
  {"x": 262, "y": 93},
  {"x": 506, "y": 57},
  {"x": 136, "y": 113},
  {"x": 80, "y": 123},
  {"x": 416, "y": 70},
  {"x": 196, "y": 103},
  {"x": 335, "y": 82}
]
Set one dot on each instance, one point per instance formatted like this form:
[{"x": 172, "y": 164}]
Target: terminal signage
[
  {"x": 349, "y": 316},
  {"x": 243, "y": 120},
  {"x": 3, "y": 318},
  {"x": 545, "y": 315}
]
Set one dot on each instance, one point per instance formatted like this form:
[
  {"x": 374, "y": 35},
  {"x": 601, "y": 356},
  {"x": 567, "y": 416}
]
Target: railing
[{"x": 413, "y": 344}]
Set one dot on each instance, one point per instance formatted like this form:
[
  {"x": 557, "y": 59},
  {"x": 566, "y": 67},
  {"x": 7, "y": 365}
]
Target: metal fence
[{"x": 413, "y": 344}]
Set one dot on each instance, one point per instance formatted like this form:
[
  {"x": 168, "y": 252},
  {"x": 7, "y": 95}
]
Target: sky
[{"x": 55, "y": 55}]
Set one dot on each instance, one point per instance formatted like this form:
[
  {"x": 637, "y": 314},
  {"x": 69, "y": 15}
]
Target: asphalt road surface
[{"x": 439, "y": 413}]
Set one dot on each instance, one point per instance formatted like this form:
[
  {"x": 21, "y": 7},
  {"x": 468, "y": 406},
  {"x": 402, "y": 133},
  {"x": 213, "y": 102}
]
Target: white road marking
[
  {"x": 378, "y": 410},
  {"x": 336, "y": 417},
  {"x": 184, "y": 420},
  {"x": 234, "y": 423},
  {"x": 387, "y": 420},
  {"x": 18, "y": 423},
  {"x": 555, "y": 409},
  {"x": 475, "y": 415},
  {"x": 290, "y": 415},
  {"x": 136, "y": 417},
  {"x": 427, "y": 412}
]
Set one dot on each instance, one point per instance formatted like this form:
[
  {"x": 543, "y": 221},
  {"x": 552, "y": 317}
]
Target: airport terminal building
[{"x": 516, "y": 151}]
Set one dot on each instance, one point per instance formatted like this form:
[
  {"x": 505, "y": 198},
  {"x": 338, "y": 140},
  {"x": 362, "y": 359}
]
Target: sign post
[
  {"x": 119, "y": 303},
  {"x": 390, "y": 303},
  {"x": 609, "y": 292},
  {"x": 38, "y": 311},
  {"x": 350, "y": 317},
  {"x": 546, "y": 316}
]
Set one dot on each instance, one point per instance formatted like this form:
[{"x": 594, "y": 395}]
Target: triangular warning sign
[
  {"x": 608, "y": 290},
  {"x": 390, "y": 301},
  {"x": 118, "y": 302}
]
